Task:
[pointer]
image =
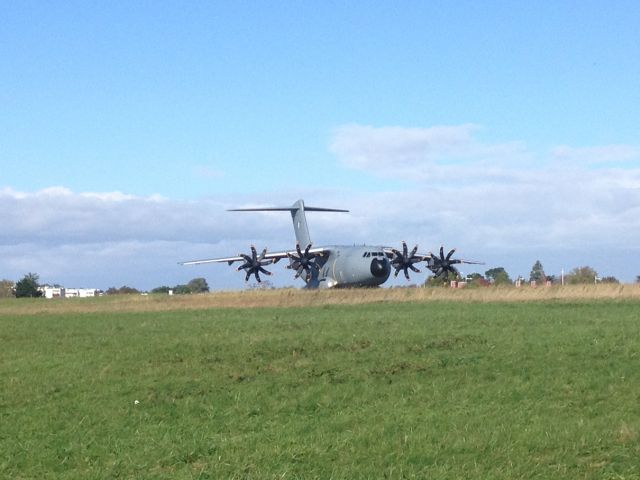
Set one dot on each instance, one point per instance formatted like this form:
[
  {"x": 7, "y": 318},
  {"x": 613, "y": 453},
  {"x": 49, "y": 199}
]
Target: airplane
[{"x": 336, "y": 266}]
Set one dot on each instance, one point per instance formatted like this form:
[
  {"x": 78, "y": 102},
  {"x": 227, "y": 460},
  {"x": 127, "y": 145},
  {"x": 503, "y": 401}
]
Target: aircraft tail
[{"x": 297, "y": 216}]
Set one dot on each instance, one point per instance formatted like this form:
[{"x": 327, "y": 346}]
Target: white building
[
  {"x": 80, "y": 292},
  {"x": 52, "y": 292},
  {"x": 61, "y": 292}
]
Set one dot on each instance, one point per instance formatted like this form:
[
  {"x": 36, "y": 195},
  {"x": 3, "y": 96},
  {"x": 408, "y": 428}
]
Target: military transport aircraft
[{"x": 337, "y": 266}]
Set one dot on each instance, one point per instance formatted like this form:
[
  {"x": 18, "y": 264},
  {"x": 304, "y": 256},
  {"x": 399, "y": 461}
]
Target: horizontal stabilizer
[
  {"x": 298, "y": 216},
  {"x": 287, "y": 209}
]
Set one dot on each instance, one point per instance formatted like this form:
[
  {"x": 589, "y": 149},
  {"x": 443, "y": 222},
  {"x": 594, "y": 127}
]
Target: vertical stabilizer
[{"x": 300, "y": 223}]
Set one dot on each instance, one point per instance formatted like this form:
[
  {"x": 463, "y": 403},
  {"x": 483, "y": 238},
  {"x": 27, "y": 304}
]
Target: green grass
[{"x": 439, "y": 390}]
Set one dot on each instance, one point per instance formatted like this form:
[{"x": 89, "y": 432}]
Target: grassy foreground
[{"x": 383, "y": 390}]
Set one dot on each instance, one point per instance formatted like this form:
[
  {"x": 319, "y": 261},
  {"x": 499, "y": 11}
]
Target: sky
[{"x": 510, "y": 130}]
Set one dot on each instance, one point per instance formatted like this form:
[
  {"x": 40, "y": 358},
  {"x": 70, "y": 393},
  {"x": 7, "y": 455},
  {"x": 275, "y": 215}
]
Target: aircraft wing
[
  {"x": 430, "y": 257},
  {"x": 417, "y": 256},
  {"x": 441, "y": 265},
  {"x": 268, "y": 258}
]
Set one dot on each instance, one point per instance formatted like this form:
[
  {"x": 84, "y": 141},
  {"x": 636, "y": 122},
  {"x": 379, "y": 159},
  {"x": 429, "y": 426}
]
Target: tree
[
  {"x": 198, "y": 285},
  {"x": 28, "y": 286},
  {"x": 537, "y": 273},
  {"x": 6, "y": 288},
  {"x": 164, "y": 289},
  {"x": 124, "y": 290},
  {"x": 609, "y": 279},
  {"x": 181, "y": 290},
  {"x": 581, "y": 275},
  {"x": 498, "y": 276}
]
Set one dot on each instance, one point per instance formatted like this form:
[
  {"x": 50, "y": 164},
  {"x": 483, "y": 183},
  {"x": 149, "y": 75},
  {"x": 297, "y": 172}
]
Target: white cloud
[
  {"x": 594, "y": 155},
  {"x": 361, "y": 146},
  {"x": 433, "y": 153},
  {"x": 56, "y": 215}
]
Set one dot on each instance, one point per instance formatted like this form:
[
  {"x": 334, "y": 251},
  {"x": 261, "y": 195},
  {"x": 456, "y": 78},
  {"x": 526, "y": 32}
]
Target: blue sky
[{"x": 510, "y": 129}]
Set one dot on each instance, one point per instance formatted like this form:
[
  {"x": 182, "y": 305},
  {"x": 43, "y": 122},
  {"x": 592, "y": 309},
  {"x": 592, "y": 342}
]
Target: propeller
[
  {"x": 404, "y": 260},
  {"x": 253, "y": 264},
  {"x": 303, "y": 261},
  {"x": 442, "y": 266}
]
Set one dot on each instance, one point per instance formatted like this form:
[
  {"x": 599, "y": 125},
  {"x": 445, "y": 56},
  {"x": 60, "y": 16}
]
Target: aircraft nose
[{"x": 380, "y": 268}]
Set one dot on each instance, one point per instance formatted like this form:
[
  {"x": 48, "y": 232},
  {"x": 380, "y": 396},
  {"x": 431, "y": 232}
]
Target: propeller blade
[
  {"x": 304, "y": 261},
  {"x": 254, "y": 264},
  {"x": 442, "y": 265},
  {"x": 404, "y": 260},
  {"x": 266, "y": 272}
]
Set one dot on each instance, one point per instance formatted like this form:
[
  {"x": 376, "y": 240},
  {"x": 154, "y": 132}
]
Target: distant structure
[{"x": 62, "y": 292}]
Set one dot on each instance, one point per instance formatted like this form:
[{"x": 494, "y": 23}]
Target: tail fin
[{"x": 297, "y": 215}]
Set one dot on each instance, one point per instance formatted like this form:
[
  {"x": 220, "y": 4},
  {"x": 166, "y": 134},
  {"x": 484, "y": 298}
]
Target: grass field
[{"x": 439, "y": 388}]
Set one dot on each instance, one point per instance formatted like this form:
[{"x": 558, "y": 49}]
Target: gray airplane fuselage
[{"x": 351, "y": 266}]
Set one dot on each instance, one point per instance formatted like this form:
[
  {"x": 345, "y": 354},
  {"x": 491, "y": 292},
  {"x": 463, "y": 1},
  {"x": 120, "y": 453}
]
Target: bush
[
  {"x": 28, "y": 286},
  {"x": 7, "y": 289}
]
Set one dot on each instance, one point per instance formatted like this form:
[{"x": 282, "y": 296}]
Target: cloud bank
[
  {"x": 502, "y": 203},
  {"x": 112, "y": 239},
  {"x": 581, "y": 203}
]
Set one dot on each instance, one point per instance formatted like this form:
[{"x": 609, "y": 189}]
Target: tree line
[
  {"x": 196, "y": 285},
  {"x": 28, "y": 286},
  {"x": 499, "y": 276}
]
